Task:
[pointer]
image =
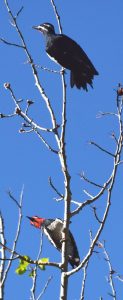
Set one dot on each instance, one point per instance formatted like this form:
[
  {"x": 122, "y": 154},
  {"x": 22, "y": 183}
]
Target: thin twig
[
  {"x": 29, "y": 103},
  {"x": 111, "y": 272},
  {"x": 7, "y": 116},
  {"x": 55, "y": 189},
  {"x": 34, "y": 278},
  {"x": 33, "y": 125},
  {"x": 95, "y": 239},
  {"x": 13, "y": 198},
  {"x": 119, "y": 277},
  {"x": 102, "y": 149},
  {"x": 17, "y": 232},
  {"x": 44, "y": 141},
  {"x": 19, "y": 12},
  {"x": 101, "y": 114},
  {"x": 24, "y": 115},
  {"x": 30, "y": 261},
  {"x": 82, "y": 176},
  {"x": 45, "y": 287},
  {"x": 57, "y": 16},
  {"x": 111, "y": 181},
  {"x": 2, "y": 256},
  {"x": 95, "y": 214},
  {"x": 9, "y": 259},
  {"x": 48, "y": 70},
  {"x": 114, "y": 137},
  {"x": 11, "y": 44},
  {"x": 82, "y": 297},
  {"x": 93, "y": 199},
  {"x": 35, "y": 74},
  {"x": 88, "y": 194}
]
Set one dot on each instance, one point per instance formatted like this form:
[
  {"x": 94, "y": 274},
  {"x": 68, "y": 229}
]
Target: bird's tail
[
  {"x": 74, "y": 261},
  {"x": 81, "y": 80}
]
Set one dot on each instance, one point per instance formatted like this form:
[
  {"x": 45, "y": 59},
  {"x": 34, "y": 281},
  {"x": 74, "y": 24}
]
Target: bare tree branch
[
  {"x": 56, "y": 15},
  {"x": 48, "y": 70},
  {"x": 102, "y": 149},
  {"x": 82, "y": 297},
  {"x": 82, "y": 176},
  {"x": 67, "y": 178},
  {"x": 61, "y": 143},
  {"x": 95, "y": 214},
  {"x": 19, "y": 12},
  {"x": 111, "y": 272},
  {"x": 45, "y": 287},
  {"x": 35, "y": 74},
  {"x": 101, "y": 114},
  {"x": 17, "y": 233},
  {"x": 30, "y": 261},
  {"x": 24, "y": 115},
  {"x": 93, "y": 199},
  {"x": 34, "y": 278},
  {"x": 7, "y": 116},
  {"x": 11, "y": 44},
  {"x": 111, "y": 181},
  {"x": 33, "y": 125},
  {"x": 55, "y": 189},
  {"x": 13, "y": 198},
  {"x": 2, "y": 256}
]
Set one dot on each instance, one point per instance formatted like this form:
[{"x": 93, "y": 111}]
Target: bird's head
[
  {"x": 45, "y": 28},
  {"x": 36, "y": 221}
]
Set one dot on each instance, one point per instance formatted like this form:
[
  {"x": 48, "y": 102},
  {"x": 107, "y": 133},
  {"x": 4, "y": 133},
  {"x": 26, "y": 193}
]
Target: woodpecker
[
  {"x": 53, "y": 230},
  {"x": 69, "y": 55}
]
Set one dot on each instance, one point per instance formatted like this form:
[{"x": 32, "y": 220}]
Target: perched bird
[
  {"x": 53, "y": 230},
  {"x": 69, "y": 55}
]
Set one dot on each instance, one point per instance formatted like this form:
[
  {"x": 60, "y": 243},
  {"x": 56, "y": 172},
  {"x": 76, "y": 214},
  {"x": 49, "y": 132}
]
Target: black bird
[{"x": 69, "y": 55}]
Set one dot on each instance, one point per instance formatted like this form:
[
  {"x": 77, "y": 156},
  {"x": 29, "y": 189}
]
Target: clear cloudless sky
[{"x": 97, "y": 27}]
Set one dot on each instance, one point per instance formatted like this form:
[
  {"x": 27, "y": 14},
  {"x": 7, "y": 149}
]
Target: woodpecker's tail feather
[
  {"x": 81, "y": 80},
  {"x": 74, "y": 262}
]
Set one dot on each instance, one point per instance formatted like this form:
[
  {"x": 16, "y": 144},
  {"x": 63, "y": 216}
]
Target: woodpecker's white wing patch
[
  {"x": 49, "y": 238},
  {"x": 52, "y": 58},
  {"x": 54, "y": 233}
]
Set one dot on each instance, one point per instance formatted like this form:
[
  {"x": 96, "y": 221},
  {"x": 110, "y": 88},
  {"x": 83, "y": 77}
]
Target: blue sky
[{"x": 97, "y": 27}]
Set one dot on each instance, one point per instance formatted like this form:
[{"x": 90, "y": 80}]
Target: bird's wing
[
  {"x": 65, "y": 49},
  {"x": 54, "y": 232},
  {"x": 73, "y": 251}
]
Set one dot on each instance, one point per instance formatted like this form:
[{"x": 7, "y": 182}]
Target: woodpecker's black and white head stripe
[{"x": 45, "y": 28}]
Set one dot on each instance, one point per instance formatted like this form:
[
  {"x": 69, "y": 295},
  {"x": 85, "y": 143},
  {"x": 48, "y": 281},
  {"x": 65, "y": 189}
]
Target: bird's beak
[
  {"x": 35, "y": 27},
  {"x": 31, "y": 219},
  {"x": 40, "y": 28}
]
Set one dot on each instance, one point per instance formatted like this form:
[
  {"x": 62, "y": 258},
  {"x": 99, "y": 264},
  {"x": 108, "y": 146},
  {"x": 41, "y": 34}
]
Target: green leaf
[
  {"x": 32, "y": 273},
  {"x": 20, "y": 271},
  {"x": 42, "y": 267},
  {"x": 23, "y": 264}
]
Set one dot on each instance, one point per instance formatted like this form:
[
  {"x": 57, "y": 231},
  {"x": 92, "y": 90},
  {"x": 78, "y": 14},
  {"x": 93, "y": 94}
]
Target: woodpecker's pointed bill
[
  {"x": 30, "y": 218},
  {"x": 38, "y": 28},
  {"x": 69, "y": 55},
  {"x": 35, "y": 221},
  {"x": 53, "y": 230}
]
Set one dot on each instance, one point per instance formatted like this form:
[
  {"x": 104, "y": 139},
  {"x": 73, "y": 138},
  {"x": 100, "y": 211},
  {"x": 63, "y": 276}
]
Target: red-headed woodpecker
[{"x": 53, "y": 230}]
